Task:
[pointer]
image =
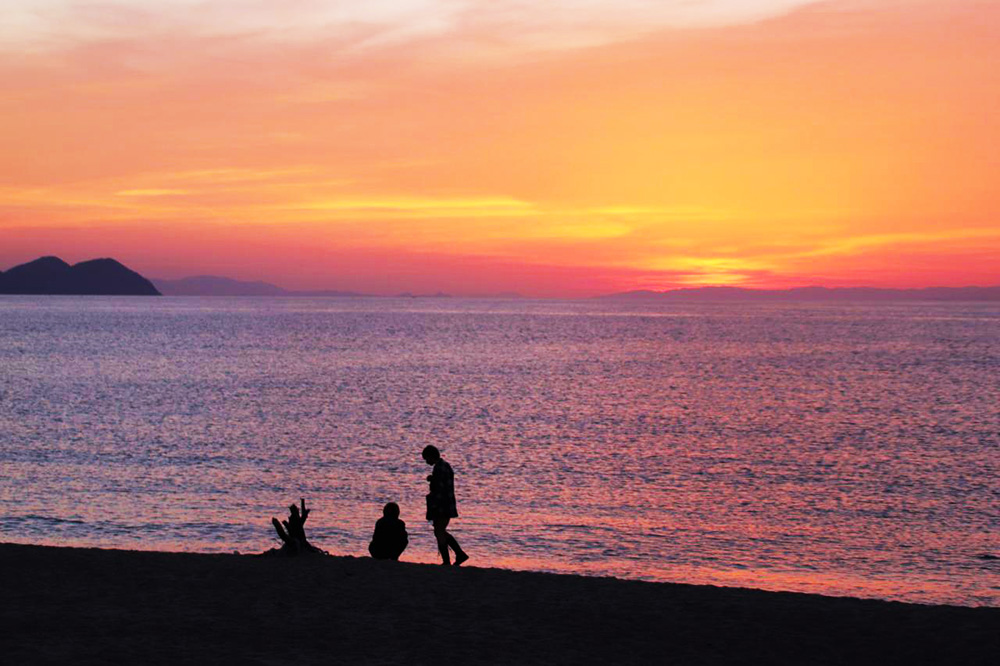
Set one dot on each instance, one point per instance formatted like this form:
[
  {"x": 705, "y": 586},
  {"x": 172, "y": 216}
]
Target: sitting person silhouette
[{"x": 390, "y": 538}]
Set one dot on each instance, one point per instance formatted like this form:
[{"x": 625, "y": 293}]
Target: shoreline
[
  {"x": 423, "y": 559},
  {"x": 88, "y": 605}
]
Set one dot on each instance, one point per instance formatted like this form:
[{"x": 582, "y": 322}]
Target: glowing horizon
[{"x": 553, "y": 149}]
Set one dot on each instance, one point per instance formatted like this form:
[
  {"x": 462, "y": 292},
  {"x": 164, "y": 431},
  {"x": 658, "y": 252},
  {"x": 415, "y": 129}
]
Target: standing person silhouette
[{"x": 441, "y": 507}]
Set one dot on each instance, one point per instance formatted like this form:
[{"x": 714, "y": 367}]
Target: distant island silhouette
[
  {"x": 53, "y": 276},
  {"x": 833, "y": 294},
  {"x": 213, "y": 285},
  {"x": 108, "y": 277},
  {"x": 408, "y": 294},
  {"x": 210, "y": 285}
]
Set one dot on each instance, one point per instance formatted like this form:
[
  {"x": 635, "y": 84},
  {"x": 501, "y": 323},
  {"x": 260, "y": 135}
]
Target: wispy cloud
[
  {"x": 421, "y": 206},
  {"x": 373, "y": 23},
  {"x": 868, "y": 242},
  {"x": 151, "y": 192}
]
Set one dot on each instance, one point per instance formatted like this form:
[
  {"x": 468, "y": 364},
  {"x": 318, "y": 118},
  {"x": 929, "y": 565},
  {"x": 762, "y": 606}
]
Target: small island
[{"x": 53, "y": 276}]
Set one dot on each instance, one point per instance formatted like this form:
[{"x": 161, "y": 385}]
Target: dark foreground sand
[{"x": 81, "y": 606}]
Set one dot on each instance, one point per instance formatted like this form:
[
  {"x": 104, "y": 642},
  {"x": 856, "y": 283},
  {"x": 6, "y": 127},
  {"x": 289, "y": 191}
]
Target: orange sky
[{"x": 560, "y": 148}]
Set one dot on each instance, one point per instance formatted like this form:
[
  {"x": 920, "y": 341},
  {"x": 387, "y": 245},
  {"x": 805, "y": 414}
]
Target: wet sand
[{"x": 87, "y": 606}]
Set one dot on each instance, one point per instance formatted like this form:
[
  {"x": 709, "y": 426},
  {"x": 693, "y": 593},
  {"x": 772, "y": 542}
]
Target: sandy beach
[{"x": 89, "y": 606}]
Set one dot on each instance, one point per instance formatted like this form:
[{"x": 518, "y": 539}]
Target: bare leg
[
  {"x": 446, "y": 540},
  {"x": 442, "y": 536}
]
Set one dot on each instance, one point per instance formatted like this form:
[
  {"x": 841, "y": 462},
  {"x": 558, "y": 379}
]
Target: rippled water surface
[{"x": 843, "y": 450}]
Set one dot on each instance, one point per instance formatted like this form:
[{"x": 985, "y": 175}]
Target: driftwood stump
[{"x": 292, "y": 533}]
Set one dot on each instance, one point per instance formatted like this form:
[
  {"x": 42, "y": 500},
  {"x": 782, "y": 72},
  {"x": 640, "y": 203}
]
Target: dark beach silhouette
[
  {"x": 91, "y": 606},
  {"x": 390, "y": 538},
  {"x": 441, "y": 505}
]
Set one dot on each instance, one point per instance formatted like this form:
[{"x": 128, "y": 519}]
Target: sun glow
[{"x": 567, "y": 148}]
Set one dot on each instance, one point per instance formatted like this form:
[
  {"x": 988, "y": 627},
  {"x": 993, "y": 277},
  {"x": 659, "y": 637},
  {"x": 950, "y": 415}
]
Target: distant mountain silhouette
[
  {"x": 213, "y": 285},
  {"x": 407, "y": 294},
  {"x": 836, "y": 294},
  {"x": 497, "y": 295},
  {"x": 332, "y": 293},
  {"x": 97, "y": 277}
]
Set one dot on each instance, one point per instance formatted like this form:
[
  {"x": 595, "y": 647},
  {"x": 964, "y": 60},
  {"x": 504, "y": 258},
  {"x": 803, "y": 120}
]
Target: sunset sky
[{"x": 548, "y": 147}]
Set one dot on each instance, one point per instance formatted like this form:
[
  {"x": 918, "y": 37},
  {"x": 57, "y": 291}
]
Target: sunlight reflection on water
[{"x": 846, "y": 450}]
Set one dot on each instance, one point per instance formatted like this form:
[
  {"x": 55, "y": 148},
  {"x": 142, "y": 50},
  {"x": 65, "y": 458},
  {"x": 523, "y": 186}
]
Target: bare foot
[{"x": 459, "y": 558}]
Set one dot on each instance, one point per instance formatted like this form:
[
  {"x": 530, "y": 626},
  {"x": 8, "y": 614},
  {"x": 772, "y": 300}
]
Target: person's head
[
  {"x": 391, "y": 510},
  {"x": 430, "y": 454},
  {"x": 294, "y": 510}
]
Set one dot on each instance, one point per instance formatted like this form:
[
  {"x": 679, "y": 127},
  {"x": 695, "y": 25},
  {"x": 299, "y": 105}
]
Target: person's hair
[
  {"x": 391, "y": 510},
  {"x": 431, "y": 451}
]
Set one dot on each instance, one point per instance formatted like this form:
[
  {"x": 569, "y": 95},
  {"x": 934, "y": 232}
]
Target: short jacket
[{"x": 441, "y": 499}]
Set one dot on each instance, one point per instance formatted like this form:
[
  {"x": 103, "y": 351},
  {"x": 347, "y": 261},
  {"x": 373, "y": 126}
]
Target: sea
[{"x": 846, "y": 450}]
